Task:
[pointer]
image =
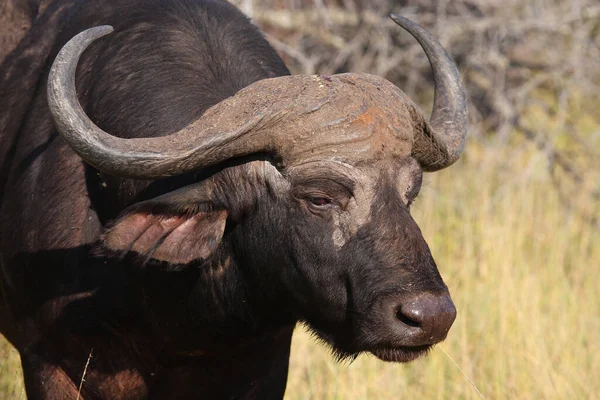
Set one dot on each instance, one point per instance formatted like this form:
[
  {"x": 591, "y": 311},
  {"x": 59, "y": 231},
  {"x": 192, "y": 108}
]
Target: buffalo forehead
[
  {"x": 358, "y": 118},
  {"x": 348, "y": 117}
]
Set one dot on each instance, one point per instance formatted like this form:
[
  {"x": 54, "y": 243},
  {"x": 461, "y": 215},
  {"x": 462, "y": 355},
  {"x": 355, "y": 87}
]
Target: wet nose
[{"x": 426, "y": 318}]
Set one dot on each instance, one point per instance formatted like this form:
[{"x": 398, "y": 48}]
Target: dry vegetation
[{"x": 513, "y": 225}]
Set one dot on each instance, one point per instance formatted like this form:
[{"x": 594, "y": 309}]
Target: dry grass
[{"x": 11, "y": 381}]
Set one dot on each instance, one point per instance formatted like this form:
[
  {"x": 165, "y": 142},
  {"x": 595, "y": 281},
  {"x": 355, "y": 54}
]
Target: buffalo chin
[{"x": 401, "y": 354}]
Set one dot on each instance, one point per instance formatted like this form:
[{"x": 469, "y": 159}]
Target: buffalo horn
[
  {"x": 440, "y": 142},
  {"x": 247, "y": 123},
  {"x": 222, "y": 133}
]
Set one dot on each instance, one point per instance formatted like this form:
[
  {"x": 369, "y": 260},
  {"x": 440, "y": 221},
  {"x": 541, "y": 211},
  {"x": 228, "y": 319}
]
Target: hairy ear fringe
[{"x": 169, "y": 237}]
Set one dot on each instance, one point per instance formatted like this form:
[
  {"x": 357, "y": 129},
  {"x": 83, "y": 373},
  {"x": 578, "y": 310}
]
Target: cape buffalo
[{"x": 173, "y": 203}]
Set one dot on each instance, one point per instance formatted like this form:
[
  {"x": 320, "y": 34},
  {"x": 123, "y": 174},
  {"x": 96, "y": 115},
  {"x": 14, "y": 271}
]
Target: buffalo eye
[
  {"x": 320, "y": 202},
  {"x": 412, "y": 191},
  {"x": 411, "y": 197}
]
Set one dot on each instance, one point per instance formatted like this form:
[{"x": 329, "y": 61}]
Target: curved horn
[
  {"x": 442, "y": 141},
  {"x": 204, "y": 142},
  {"x": 289, "y": 117}
]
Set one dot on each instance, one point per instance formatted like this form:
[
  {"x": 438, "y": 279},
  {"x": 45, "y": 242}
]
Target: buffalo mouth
[{"x": 401, "y": 354}]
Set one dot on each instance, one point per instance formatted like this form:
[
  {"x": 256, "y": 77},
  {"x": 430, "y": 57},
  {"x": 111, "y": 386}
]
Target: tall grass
[{"x": 524, "y": 272}]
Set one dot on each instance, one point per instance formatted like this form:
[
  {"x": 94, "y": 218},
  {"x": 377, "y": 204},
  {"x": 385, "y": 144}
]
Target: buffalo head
[{"x": 316, "y": 209}]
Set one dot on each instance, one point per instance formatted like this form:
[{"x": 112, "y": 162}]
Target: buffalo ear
[{"x": 177, "y": 238}]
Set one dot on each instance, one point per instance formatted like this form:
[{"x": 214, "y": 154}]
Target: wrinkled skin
[{"x": 190, "y": 287}]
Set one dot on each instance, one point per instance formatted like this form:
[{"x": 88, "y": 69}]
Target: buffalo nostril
[{"x": 408, "y": 320}]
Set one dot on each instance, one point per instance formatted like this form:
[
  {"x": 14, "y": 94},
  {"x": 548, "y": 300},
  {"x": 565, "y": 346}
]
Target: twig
[
  {"x": 308, "y": 63},
  {"x": 463, "y": 372}
]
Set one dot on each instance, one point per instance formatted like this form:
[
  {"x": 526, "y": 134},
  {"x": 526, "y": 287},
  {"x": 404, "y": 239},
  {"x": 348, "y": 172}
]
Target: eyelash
[{"x": 319, "y": 201}]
